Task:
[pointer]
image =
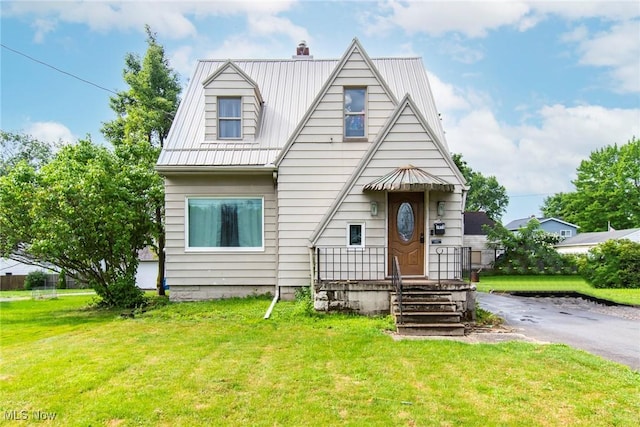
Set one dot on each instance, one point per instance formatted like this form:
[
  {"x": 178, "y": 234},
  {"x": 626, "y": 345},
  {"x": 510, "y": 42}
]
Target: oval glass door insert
[{"x": 405, "y": 221}]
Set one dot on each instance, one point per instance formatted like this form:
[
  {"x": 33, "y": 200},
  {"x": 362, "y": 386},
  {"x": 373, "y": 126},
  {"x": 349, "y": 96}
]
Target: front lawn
[
  {"x": 22, "y": 294},
  {"x": 556, "y": 283},
  {"x": 221, "y": 363}
]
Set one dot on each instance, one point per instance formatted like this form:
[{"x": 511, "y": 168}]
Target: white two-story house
[{"x": 287, "y": 173}]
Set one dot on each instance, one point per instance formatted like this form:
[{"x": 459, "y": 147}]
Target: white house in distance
[
  {"x": 581, "y": 243},
  {"x": 295, "y": 172}
]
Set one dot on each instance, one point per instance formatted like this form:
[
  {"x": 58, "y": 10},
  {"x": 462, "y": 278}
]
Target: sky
[{"x": 526, "y": 89}]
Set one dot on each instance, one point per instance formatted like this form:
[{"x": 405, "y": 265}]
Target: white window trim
[
  {"x": 219, "y": 118},
  {"x": 345, "y": 114},
  {"x": 216, "y": 249},
  {"x": 362, "y": 234},
  {"x": 566, "y": 233}
]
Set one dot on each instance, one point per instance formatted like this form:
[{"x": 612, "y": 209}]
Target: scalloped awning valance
[{"x": 409, "y": 178}]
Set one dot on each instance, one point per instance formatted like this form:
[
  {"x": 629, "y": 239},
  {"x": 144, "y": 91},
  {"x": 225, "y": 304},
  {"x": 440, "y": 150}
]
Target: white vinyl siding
[
  {"x": 214, "y": 274},
  {"x": 406, "y": 142},
  {"x": 317, "y": 166},
  {"x": 227, "y": 85}
]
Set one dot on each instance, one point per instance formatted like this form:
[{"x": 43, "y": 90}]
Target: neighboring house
[
  {"x": 475, "y": 237},
  {"x": 550, "y": 225},
  {"x": 146, "y": 275},
  {"x": 581, "y": 243},
  {"x": 284, "y": 173}
]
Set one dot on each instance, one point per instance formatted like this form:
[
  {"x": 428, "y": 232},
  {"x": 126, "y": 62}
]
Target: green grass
[
  {"x": 221, "y": 363},
  {"x": 556, "y": 283},
  {"x": 28, "y": 294}
]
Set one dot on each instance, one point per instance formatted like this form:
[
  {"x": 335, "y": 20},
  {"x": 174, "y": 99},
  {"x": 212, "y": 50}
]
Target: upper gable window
[
  {"x": 229, "y": 118},
  {"x": 354, "y": 112}
]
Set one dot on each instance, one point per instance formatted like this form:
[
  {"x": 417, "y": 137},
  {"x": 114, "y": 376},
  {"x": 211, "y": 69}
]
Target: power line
[{"x": 58, "y": 69}]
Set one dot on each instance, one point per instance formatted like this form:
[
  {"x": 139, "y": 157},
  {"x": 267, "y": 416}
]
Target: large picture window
[
  {"x": 225, "y": 223},
  {"x": 354, "y": 112},
  {"x": 229, "y": 118}
]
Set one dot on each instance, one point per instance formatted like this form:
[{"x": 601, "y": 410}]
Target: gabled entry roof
[{"x": 409, "y": 178}]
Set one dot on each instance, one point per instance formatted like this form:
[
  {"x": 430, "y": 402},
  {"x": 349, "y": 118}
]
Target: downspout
[
  {"x": 273, "y": 302},
  {"x": 276, "y": 297}
]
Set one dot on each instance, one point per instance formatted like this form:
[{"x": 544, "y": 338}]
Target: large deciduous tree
[
  {"x": 607, "y": 190},
  {"x": 530, "y": 250},
  {"x": 16, "y": 147},
  {"x": 485, "y": 193},
  {"x": 85, "y": 212},
  {"x": 144, "y": 115}
]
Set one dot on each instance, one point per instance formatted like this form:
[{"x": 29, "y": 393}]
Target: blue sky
[{"x": 526, "y": 89}]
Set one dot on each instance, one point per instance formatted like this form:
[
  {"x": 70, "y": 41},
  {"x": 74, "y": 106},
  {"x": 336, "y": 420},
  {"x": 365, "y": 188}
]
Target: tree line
[{"x": 87, "y": 208}]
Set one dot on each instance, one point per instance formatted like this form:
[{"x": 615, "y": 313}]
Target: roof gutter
[{"x": 214, "y": 169}]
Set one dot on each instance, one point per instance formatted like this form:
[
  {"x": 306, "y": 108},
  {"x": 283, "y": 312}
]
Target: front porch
[{"x": 359, "y": 281}]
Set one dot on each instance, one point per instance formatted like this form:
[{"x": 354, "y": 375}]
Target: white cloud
[
  {"x": 473, "y": 19},
  {"x": 268, "y": 25},
  {"x": 173, "y": 19},
  {"x": 449, "y": 98},
  {"x": 617, "y": 49},
  {"x": 477, "y": 18},
  {"x": 51, "y": 132},
  {"x": 43, "y": 27},
  {"x": 543, "y": 158},
  {"x": 182, "y": 60},
  {"x": 526, "y": 158}
]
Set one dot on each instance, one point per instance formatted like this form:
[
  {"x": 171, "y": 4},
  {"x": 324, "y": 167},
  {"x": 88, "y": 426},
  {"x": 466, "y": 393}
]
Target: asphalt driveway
[{"x": 612, "y": 332}]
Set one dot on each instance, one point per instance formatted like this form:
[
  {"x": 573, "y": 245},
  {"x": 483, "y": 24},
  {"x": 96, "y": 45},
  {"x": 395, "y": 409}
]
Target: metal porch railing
[
  {"x": 454, "y": 262},
  {"x": 340, "y": 263},
  {"x": 396, "y": 278}
]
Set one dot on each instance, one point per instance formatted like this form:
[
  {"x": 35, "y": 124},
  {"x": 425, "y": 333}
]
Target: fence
[{"x": 15, "y": 282}]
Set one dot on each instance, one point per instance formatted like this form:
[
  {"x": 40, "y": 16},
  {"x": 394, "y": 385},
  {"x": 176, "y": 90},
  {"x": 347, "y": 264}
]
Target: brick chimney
[{"x": 302, "y": 51}]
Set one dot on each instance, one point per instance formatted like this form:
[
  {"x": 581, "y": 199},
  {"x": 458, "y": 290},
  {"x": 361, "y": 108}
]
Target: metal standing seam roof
[
  {"x": 409, "y": 178},
  {"x": 288, "y": 87},
  {"x": 594, "y": 238}
]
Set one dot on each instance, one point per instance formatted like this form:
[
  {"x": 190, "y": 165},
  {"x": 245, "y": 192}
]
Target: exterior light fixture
[
  {"x": 374, "y": 208},
  {"x": 441, "y": 207}
]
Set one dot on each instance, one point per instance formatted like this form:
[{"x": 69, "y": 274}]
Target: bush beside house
[{"x": 612, "y": 264}]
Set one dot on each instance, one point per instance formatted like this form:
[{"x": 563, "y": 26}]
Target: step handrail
[{"x": 396, "y": 278}]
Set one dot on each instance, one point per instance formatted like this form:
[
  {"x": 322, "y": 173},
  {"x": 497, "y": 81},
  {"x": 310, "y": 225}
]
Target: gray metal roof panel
[
  {"x": 593, "y": 238},
  {"x": 288, "y": 88}
]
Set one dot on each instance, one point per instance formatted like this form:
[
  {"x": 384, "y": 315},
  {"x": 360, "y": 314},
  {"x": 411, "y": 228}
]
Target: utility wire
[
  {"x": 58, "y": 69},
  {"x": 166, "y": 113}
]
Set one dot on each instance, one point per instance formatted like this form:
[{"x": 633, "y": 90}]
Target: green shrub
[
  {"x": 304, "y": 302},
  {"x": 35, "y": 279},
  {"x": 613, "y": 264},
  {"x": 62, "y": 280},
  {"x": 123, "y": 293}
]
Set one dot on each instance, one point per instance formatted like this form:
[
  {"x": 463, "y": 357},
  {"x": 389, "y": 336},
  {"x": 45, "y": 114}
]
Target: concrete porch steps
[
  {"x": 435, "y": 329},
  {"x": 426, "y": 312}
]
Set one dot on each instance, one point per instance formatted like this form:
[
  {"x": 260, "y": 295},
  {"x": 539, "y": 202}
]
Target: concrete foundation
[{"x": 373, "y": 297}]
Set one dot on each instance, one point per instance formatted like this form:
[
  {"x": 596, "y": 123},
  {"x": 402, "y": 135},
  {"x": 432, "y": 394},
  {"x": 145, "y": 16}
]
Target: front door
[{"x": 406, "y": 232}]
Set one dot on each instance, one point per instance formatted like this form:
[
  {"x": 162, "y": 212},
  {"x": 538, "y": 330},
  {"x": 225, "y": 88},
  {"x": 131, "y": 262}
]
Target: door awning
[{"x": 409, "y": 178}]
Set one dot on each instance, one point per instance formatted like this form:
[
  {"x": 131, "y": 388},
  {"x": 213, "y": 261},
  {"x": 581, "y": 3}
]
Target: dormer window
[
  {"x": 229, "y": 118},
  {"x": 355, "y": 113}
]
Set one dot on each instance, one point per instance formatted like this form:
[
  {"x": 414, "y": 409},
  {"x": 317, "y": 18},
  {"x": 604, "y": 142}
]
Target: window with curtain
[
  {"x": 225, "y": 223},
  {"x": 229, "y": 118},
  {"x": 354, "y": 112}
]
